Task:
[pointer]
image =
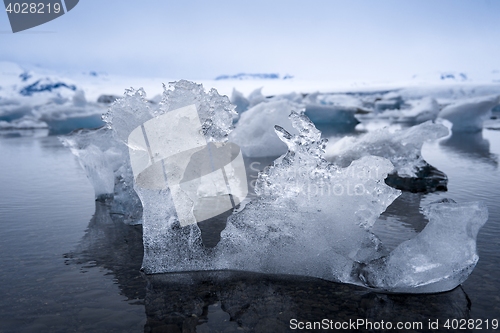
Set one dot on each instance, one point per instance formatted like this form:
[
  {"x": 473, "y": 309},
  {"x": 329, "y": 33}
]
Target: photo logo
[
  {"x": 205, "y": 179},
  {"x": 25, "y": 15}
]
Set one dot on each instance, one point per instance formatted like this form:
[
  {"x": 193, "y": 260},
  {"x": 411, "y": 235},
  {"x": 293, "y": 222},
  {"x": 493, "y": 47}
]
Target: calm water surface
[{"x": 67, "y": 265}]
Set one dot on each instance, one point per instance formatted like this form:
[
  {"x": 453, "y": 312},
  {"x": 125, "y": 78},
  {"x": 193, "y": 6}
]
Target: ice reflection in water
[
  {"x": 227, "y": 300},
  {"x": 471, "y": 146}
]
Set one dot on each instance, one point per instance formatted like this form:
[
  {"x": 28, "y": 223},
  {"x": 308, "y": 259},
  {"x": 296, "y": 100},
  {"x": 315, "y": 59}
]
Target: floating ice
[
  {"x": 44, "y": 100},
  {"x": 402, "y": 148},
  {"x": 440, "y": 258},
  {"x": 389, "y": 101},
  {"x": 106, "y": 164},
  {"x": 423, "y": 110},
  {"x": 166, "y": 243},
  {"x": 254, "y": 132},
  {"x": 332, "y": 113},
  {"x": 25, "y": 122},
  {"x": 66, "y": 116},
  {"x": 239, "y": 101},
  {"x": 204, "y": 179},
  {"x": 310, "y": 217},
  {"x": 468, "y": 115}
]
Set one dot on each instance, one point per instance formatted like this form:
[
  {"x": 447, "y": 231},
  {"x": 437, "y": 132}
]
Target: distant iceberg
[
  {"x": 257, "y": 76},
  {"x": 29, "y": 100},
  {"x": 468, "y": 115}
]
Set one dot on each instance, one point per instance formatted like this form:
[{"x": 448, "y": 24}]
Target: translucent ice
[
  {"x": 106, "y": 164},
  {"x": 468, "y": 115},
  {"x": 163, "y": 145},
  {"x": 439, "y": 258},
  {"x": 402, "y": 148},
  {"x": 310, "y": 217}
]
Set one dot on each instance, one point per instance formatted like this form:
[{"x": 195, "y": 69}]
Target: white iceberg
[
  {"x": 67, "y": 115},
  {"x": 51, "y": 100},
  {"x": 421, "y": 111},
  {"x": 469, "y": 115},
  {"x": 254, "y": 132},
  {"x": 26, "y": 122}
]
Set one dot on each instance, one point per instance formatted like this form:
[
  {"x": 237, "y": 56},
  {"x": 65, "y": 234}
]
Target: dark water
[{"x": 67, "y": 265}]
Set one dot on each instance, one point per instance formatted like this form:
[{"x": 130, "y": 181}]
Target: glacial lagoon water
[{"x": 66, "y": 264}]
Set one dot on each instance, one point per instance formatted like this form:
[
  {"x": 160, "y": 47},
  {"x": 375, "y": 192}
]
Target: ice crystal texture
[{"x": 310, "y": 217}]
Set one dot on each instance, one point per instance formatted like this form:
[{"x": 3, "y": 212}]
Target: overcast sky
[{"x": 373, "y": 39}]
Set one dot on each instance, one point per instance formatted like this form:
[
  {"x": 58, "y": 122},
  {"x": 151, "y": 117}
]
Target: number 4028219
[{"x": 33, "y": 8}]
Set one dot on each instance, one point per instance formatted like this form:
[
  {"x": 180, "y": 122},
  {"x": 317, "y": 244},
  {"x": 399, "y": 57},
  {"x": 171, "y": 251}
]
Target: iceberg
[
  {"x": 422, "y": 110},
  {"x": 106, "y": 164},
  {"x": 426, "y": 109},
  {"x": 251, "y": 76},
  {"x": 310, "y": 216},
  {"x": 25, "y": 122},
  {"x": 243, "y": 103},
  {"x": 28, "y": 99},
  {"x": 402, "y": 148},
  {"x": 254, "y": 132},
  {"x": 389, "y": 101},
  {"x": 67, "y": 115},
  {"x": 239, "y": 100},
  {"x": 332, "y": 113},
  {"x": 440, "y": 258},
  {"x": 468, "y": 115}
]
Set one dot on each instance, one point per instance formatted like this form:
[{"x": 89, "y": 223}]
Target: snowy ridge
[{"x": 248, "y": 76}]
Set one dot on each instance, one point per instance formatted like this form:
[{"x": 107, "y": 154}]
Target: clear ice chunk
[
  {"x": 177, "y": 152},
  {"x": 106, "y": 164},
  {"x": 310, "y": 217},
  {"x": 438, "y": 259}
]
